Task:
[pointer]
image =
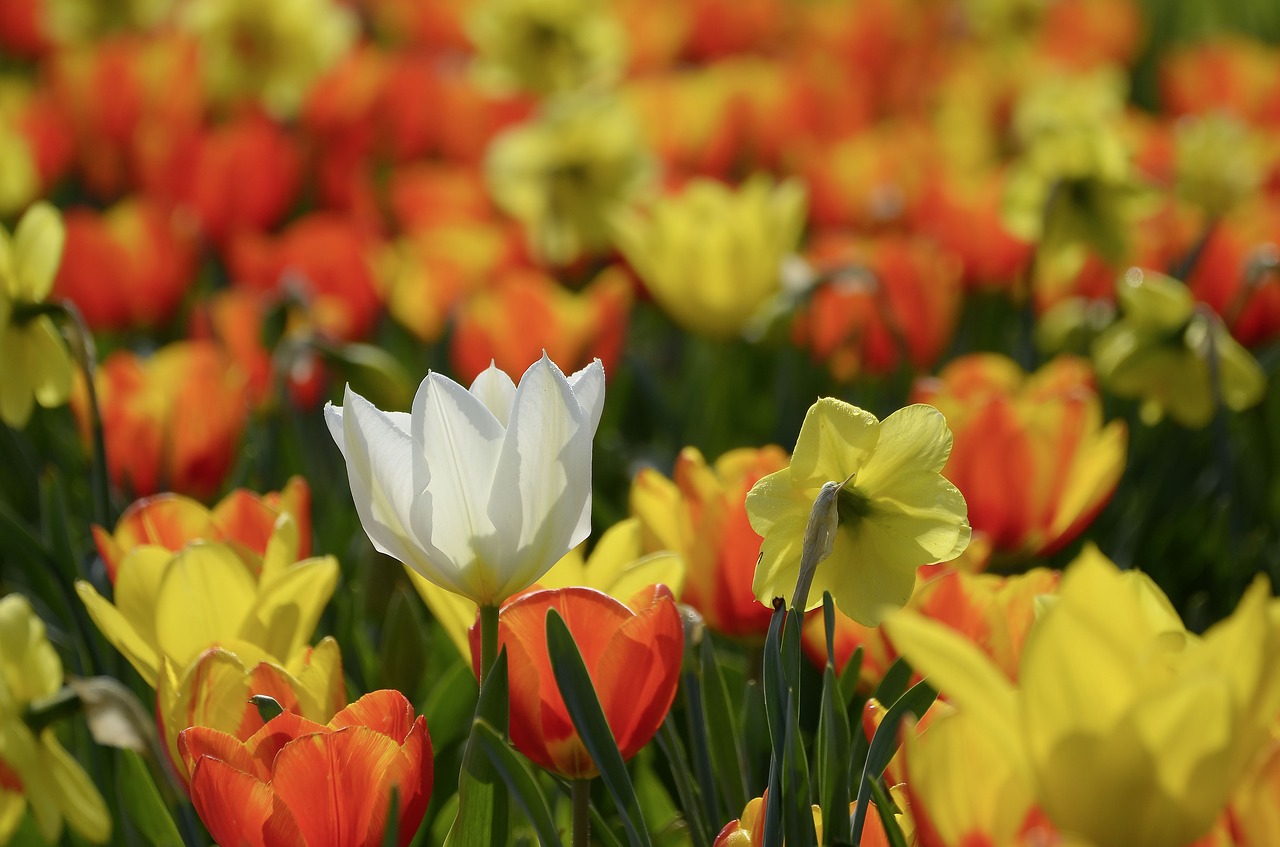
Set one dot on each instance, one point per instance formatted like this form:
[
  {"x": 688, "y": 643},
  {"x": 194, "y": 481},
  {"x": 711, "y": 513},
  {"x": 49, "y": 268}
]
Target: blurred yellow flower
[
  {"x": 1131, "y": 731},
  {"x": 19, "y": 178},
  {"x": 77, "y": 21},
  {"x": 712, "y": 256},
  {"x": 35, "y": 769},
  {"x": 617, "y": 566},
  {"x": 272, "y": 52},
  {"x": 1074, "y": 186},
  {"x": 35, "y": 366},
  {"x": 1161, "y": 352},
  {"x": 565, "y": 174},
  {"x": 1217, "y": 162},
  {"x": 174, "y": 606},
  {"x": 547, "y": 46},
  {"x": 895, "y": 510}
]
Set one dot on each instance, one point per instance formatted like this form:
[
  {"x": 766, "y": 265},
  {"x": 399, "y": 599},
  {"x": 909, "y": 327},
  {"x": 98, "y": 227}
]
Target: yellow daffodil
[
  {"x": 617, "y": 566},
  {"x": 214, "y": 691},
  {"x": 35, "y": 769},
  {"x": 480, "y": 490},
  {"x": 271, "y": 52},
  {"x": 174, "y": 606},
  {"x": 1217, "y": 162},
  {"x": 565, "y": 174},
  {"x": 547, "y": 46},
  {"x": 35, "y": 366},
  {"x": 895, "y": 510},
  {"x": 1130, "y": 731},
  {"x": 19, "y": 178},
  {"x": 1162, "y": 352},
  {"x": 712, "y": 256},
  {"x": 1074, "y": 186}
]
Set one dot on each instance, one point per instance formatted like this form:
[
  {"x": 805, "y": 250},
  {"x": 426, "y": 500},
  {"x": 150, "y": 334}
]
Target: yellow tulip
[
  {"x": 895, "y": 510},
  {"x": 35, "y": 769},
  {"x": 174, "y": 606},
  {"x": 35, "y": 366},
  {"x": 712, "y": 256},
  {"x": 617, "y": 566},
  {"x": 214, "y": 691},
  {"x": 1130, "y": 731}
]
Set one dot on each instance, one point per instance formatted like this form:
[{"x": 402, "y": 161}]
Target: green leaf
[
  {"x": 482, "y": 798},
  {"x": 833, "y": 744},
  {"x": 700, "y": 747},
  {"x": 797, "y": 811},
  {"x": 588, "y": 719},
  {"x": 515, "y": 772},
  {"x": 850, "y": 675},
  {"x": 678, "y": 761},
  {"x": 268, "y": 707},
  {"x": 143, "y": 804},
  {"x": 724, "y": 733},
  {"x": 775, "y": 707},
  {"x": 404, "y": 644},
  {"x": 894, "y": 682},
  {"x": 886, "y": 808},
  {"x": 916, "y": 701},
  {"x": 448, "y": 708}
]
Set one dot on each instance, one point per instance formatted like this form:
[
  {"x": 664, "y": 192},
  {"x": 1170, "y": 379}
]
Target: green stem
[
  {"x": 581, "y": 794},
  {"x": 87, "y": 358},
  {"x": 42, "y": 713},
  {"x": 488, "y": 640}
]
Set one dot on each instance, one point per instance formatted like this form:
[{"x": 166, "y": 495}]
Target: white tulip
[{"x": 481, "y": 490}]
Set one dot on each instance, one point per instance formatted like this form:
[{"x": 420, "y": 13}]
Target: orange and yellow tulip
[
  {"x": 244, "y": 519},
  {"x": 296, "y": 782},
  {"x": 171, "y": 420},
  {"x": 1032, "y": 455},
  {"x": 701, "y": 514},
  {"x": 214, "y": 691},
  {"x": 632, "y": 652}
]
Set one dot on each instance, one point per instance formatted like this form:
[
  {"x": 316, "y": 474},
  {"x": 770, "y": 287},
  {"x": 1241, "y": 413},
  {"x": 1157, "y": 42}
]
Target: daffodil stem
[
  {"x": 64, "y": 703},
  {"x": 488, "y": 640},
  {"x": 580, "y": 792},
  {"x": 1222, "y": 439},
  {"x": 87, "y": 358}
]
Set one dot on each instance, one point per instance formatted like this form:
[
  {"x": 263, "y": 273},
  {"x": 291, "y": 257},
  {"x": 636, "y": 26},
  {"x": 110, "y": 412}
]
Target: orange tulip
[
  {"x": 295, "y": 782},
  {"x": 889, "y": 297},
  {"x": 1031, "y": 454},
  {"x": 125, "y": 268},
  {"x": 1221, "y": 278},
  {"x": 701, "y": 514},
  {"x": 171, "y": 420},
  {"x": 242, "y": 518},
  {"x": 632, "y": 653},
  {"x": 526, "y": 313}
]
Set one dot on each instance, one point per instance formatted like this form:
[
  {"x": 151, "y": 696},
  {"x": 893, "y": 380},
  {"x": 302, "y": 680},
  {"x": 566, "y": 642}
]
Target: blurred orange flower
[
  {"x": 126, "y": 268},
  {"x": 885, "y": 298},
  {"x": 321, "y": 785},
  {"x": 242, "y": 518},
  {"x": 172, "y": 420},
  {"x": 701, "y": 514},
  {"x": 1229, "y": 274},
  {"x": 525, "y": 312},
  {"x": 1031, "y": 454},
  {"x": 323, "y": 259},
  {"x": 1229, "y": 73},
  {"x": 632, "y": 652}
]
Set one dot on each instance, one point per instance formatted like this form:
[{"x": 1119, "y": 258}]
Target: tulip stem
[
  {"x": 488, "y": 640},
  {"x": 581, "y": 794}
]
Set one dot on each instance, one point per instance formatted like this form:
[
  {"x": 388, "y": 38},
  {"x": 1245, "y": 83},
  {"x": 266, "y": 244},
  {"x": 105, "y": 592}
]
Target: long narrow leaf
[
  {"x": 673, "y": 749},
  {"x": 700, "y": 749},
  {"x": 588, "y": 719},
  {"x": 892, "y": 831},
  {"x": 515, "y": 772},
  {"x": 915, "y": 702},
  {"x": 775, "y": 700},
  {"x": 724, "y": 734},
  {"x": 143, "y": 804},
  {"x": 482, "y": 819}
]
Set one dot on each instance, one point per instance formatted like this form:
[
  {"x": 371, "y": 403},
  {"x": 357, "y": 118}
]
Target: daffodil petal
[
  {"x": 37, "y": 251},
  {"x": 836, "y": 439}
]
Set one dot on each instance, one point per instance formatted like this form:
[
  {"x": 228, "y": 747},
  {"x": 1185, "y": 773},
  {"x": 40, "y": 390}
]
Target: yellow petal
[
  {"x": 120, "y": 631},
  {"x": 915, "y": 438},
  {"x": 80, "y": 803},
  {"x": 205, "y": 597},
  {"x": 50, "y": 362},
  {"x": 37, "y": 252},
  {"x": 286, "y": 611},
  {"x": 835, "y": 441},
  {"x": 17, "y": 396}
]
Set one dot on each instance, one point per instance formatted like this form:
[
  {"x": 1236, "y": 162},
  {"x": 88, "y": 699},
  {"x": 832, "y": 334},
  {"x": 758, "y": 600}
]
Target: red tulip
[
  {"x": 295, "y": 782},
  {"x": 632, "y": 653}
]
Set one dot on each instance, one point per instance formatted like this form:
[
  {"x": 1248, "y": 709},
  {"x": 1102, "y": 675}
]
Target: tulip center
[{"x": 851, "y": 506}]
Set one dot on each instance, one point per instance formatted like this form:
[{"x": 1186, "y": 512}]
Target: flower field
[{"x": 640, "y": 423}]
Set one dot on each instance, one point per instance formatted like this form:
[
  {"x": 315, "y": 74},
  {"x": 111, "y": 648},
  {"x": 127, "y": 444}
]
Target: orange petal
[
  {"x": 245, "y": 519},
  {"x": 338, "y": 785},
  {"x": 266, "y": 743},
  {"x": 386, "y": 711},
  {"x": 202, "y": 742},
  {"x": 234, "y": 806}
]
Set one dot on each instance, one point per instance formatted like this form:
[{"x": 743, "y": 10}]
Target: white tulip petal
[
  {"x": 588, "y": 388},
  {"x": 545, "y": 473},
  {"x": 456, "y": 445},
  {"x": 496, "y": 390},
  {"x": 378, "y": 455}
]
